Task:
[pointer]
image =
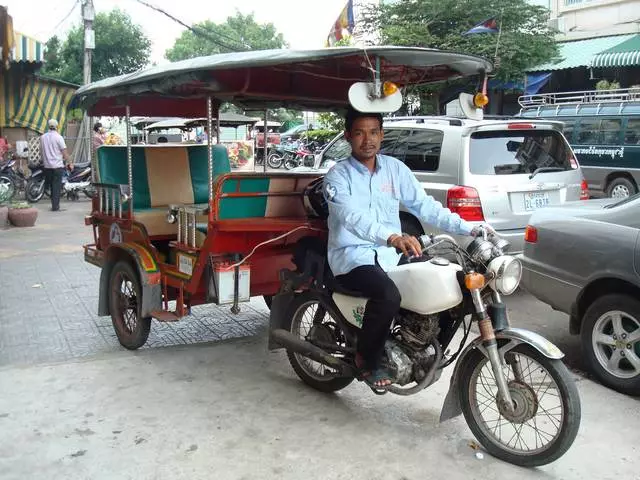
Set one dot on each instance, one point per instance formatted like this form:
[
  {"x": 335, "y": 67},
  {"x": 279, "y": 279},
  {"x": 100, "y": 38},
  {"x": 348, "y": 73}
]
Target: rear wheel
[
  {"x": 546, "y": 415},
  {"x": 274, "y": 160},
  {"x": 621, "y": 187},
  {"x": 125, "y": 305},
  {"x": 611, "y": 342},
  {"x": 311, "y": 321}
]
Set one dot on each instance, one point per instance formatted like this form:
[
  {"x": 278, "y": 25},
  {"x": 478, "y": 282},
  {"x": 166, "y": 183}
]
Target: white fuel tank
[{"x": 428, "y": 287}]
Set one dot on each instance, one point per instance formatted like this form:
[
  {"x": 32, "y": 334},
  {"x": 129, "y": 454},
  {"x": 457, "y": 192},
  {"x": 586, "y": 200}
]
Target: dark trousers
[
  {"x": 53, "y": 180},
  {"x": 384, "y": 304}
]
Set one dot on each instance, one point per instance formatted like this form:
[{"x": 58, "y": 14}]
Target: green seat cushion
[
  {"x": 244, "y": 207},
  {"x": 112, "y": 168}
]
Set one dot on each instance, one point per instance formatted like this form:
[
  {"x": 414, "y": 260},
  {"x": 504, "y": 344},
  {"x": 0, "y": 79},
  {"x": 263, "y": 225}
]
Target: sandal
[{"x": 375, "y": 377}]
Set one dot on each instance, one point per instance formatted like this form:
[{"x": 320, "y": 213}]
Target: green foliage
[
  {"x": 607, "y": 85},
  {"x": 331, "y": 121},
  {"x": 526, "y": 38},
  {"x": 19, "y": 205},
  {"x": 237, "y": 33},
  {"x": 321, "y": 136},
  {"x": 121, "y": 47}
]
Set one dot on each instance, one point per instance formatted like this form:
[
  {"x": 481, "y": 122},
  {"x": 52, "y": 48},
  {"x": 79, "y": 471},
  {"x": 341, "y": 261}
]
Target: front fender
[
  {"x": 513, "y": 337},
  {"x": 148, "y": 272}
]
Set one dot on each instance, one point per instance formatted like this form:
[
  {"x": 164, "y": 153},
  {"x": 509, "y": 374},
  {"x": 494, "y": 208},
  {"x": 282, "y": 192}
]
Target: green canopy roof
[
  {"x": 624, "y": 54},
  {"x": 581, "y": 53}
]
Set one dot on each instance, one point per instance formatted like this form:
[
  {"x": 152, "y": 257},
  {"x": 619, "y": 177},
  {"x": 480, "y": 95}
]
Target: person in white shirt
[{"x": 54, "y": 156}]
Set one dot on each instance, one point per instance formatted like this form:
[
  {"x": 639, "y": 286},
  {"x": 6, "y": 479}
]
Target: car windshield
[
  {"x": 509, "y": 152},
  {"x": 294, "y": 130},
  {"x": 624, "y": 201},
  {"x": 339, "y": 150}
]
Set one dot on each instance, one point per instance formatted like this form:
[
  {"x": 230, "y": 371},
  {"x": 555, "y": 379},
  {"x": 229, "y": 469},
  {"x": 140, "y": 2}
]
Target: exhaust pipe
[{"x": 307, "y": 349}]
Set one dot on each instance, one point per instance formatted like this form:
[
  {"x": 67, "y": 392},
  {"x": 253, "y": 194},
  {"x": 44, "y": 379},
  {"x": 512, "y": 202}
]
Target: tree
[
  {"x": 526, "y": 39},
  {"x": 236, "y": 34},
  {"x": 52, "y": 60},
  {"x": 120, "y": 47}
]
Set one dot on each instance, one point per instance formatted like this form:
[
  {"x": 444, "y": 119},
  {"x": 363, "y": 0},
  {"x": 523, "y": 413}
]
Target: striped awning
[
  {"x": 42, "y": 99},
  {"x": 624, "y": 54},
  {"x": 27, "y": 49}
]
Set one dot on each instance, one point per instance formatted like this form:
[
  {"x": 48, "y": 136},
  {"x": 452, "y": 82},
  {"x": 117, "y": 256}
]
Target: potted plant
[
  {"x": 5, "y": 194},
  {"x": 21, "y": 214}
]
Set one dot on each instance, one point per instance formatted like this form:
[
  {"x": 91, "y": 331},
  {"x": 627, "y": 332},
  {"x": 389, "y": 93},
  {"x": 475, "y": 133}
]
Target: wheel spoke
[
  {"x": 604, "y": 339},
  {"x": 616, "y": 323},
  {"x": 614, "y": 361},
  {"x": 634, "y": 336},
  {"x": 633, "y": 359}
]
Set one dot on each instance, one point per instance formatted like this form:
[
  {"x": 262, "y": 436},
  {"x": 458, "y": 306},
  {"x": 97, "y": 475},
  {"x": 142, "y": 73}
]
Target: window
[
  {"x": 610, "y": 131},
  {"x": 423, "y": 150},
  {"x": 517, "y": 152},
  {"x": 588, "y": 132},
  {"x": 389, "y": 141},
  {"x": 339, "y": 150},
  {"x": 632, "y": 132},
  {"x": 400, "y": 145},
  {"x": 568, "y": 129}
]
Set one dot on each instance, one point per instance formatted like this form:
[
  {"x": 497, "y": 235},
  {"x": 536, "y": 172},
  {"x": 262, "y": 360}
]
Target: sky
[{"x": 303, "y": 23}]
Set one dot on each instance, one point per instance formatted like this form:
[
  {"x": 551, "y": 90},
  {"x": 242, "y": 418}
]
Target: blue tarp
[{"x": 535, "y": 81}]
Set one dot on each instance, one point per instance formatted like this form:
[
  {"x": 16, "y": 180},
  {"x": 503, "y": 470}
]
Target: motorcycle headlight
[{"x": 507, "y": 272}]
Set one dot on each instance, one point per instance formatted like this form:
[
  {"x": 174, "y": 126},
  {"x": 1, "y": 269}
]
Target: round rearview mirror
[{"x": 364, "y": 98}]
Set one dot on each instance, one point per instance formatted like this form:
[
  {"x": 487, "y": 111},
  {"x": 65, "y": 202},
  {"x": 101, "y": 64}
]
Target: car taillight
[
  {"x": 520, "y": 126},
  {"x": 531, "y": 234},
  {"x": 465, "y": 201},
  {"x": 584, "y": 190}
]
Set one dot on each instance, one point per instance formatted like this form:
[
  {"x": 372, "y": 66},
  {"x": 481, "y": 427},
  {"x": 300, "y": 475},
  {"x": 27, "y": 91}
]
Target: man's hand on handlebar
[
  {"x": 482, "y": 230},
  {"x": 407, "y": 244}
]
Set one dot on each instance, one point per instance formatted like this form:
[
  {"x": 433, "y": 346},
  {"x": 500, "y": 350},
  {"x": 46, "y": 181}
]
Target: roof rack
[
  {"x": 442, "y": 119},
  {"x": 574, "y": 98}
]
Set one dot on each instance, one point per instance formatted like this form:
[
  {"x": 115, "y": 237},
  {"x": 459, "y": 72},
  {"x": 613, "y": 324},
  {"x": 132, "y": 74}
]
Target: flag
[
  {"x": 345, "y": 21},
  {"x": 488, "y": 26}
]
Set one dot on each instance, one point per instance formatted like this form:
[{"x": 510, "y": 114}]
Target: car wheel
[
  {"x": 611, "y": 341},
  {"x": 621, "y": 188}
]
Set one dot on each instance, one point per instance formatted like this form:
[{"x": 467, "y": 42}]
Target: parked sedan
[{"x": 584, "y": 259}]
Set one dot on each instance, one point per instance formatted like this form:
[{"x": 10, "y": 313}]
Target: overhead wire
[
  {"x": 198, "y": 31},
  {"x": 73, "y": 7}
]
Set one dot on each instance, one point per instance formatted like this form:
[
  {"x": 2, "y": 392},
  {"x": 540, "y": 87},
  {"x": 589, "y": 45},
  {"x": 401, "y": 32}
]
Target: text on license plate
[{"x": 533, "y": 201}]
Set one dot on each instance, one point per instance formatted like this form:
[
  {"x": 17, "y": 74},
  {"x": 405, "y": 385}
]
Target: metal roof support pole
[
  {"x": 129, "y": 158},
  {"x": 218, "y": 139},
  {"x": 93, "y": 152},
  {"x": 209, "y": 145},
  {"x": 266, "y": 138}
]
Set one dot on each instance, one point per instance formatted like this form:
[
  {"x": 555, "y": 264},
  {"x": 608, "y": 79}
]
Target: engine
[{"x": 410, "y": 352}]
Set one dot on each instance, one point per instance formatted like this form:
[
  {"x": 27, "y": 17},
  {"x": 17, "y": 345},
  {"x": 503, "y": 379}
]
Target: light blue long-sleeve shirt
[{"x": 364, "y": 212}]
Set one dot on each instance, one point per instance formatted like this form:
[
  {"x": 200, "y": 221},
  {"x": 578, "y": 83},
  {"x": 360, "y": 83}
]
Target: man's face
[{"x": 365, "y": 138}]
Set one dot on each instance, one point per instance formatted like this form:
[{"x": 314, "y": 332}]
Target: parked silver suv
[{"x": 497, "y": 171}]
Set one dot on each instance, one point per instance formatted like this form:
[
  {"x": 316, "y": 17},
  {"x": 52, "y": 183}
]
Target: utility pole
[{"x": 88, "y": 15}]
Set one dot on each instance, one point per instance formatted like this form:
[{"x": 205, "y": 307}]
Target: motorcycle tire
[
  {"x": 8, "y": 181},
  {"x": 90, "y": 192},
  {"x": 290, "y": 163},
  {"x": 35, "y": 190},
  {"x": 301, "y": 365},
  {"x": 275, "y": 161},
  {"x": 471, "y": 387}
]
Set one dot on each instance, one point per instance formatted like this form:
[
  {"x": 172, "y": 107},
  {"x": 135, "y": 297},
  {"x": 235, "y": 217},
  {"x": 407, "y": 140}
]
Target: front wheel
[
  {"x": 125, "y": 305},
  {"x": 310, "y": 320},
  {"x": 274, "y": 160},
  {"x": 35, "y": 190},
  {"x": 546, "y": 415},
  {"x": 290, "y": 163}
]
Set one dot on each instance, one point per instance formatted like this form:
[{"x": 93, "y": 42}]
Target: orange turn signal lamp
[
  {"x": 480, "y": 100},
  {"x": 389, "y": 88},
  {"x": 474, "y": 281}
]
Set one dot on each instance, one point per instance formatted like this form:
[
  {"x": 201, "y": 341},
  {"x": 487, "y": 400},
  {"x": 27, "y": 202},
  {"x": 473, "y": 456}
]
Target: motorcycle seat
[
  {"x": 336, "y": 287},
  {"x": 82, "y": 165}
]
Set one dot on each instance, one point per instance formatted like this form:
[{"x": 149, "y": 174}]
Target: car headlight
[{"x": 507, "y": 272}]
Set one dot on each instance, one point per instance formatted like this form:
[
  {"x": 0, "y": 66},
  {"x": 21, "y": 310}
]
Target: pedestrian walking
[{"x": 54, "y": 156}]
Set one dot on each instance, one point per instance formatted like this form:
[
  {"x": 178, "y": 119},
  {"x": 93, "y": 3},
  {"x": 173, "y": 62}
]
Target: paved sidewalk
[{"x": 49, "y": 298}]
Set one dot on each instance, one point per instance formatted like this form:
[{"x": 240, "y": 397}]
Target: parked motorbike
[
  {"x": 516, "y": 395},
  {"x": 73, "y": 183},
  {"x": 274, "y": 160},
  {"x": 302, "y": 154}
]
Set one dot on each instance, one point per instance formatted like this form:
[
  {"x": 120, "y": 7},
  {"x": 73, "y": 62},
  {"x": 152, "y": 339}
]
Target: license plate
[{"x": 533, "y": 201}]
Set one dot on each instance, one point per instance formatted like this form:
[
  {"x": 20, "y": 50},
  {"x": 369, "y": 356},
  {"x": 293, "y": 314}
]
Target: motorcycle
[
  {"x": 510, "y": 384},
  {"x": 274, "y": 160},
  {"x": 73, "y": 183},
  {"x": 301, "y": 155}
]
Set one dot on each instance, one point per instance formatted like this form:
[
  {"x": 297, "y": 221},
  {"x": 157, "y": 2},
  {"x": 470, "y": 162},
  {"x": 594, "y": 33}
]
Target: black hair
[
  {"x": 353, "y": 114},
  {"x": 97, "y": 127}
]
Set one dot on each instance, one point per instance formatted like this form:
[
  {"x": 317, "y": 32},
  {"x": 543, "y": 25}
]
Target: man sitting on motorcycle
[{"x": 363, "y": 194}]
